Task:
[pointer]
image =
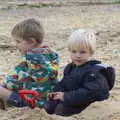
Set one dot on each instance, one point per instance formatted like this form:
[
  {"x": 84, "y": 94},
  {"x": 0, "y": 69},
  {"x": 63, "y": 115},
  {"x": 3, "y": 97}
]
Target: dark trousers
[{"x": 59, "y": 108}]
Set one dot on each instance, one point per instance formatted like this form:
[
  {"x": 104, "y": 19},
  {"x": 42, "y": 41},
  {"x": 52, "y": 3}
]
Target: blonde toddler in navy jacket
[{"x": 85, "y": 80}]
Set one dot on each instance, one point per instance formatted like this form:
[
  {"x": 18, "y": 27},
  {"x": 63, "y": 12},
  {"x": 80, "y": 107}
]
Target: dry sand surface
[{"x": 59, "y": 19}]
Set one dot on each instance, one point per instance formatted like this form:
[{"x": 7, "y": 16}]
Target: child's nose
[{"x": 78, "y": 54}]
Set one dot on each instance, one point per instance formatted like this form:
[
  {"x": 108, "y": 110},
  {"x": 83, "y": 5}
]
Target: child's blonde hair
[
  {"x": 28, "y": 29},
  {"x": 82, "y": 38}
]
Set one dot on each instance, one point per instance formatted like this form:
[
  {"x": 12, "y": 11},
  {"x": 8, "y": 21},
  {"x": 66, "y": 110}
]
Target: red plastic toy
[{"x": 32, "y": 101}]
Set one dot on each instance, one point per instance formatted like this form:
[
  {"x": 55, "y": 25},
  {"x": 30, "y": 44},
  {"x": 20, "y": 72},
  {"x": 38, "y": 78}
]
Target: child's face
[
  {"x": 80, "y": 57},
  {"x": 24, "y": 45}
]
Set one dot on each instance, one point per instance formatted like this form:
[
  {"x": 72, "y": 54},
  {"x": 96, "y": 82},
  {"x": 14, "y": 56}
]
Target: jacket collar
[{"x": 90, "y": 62}]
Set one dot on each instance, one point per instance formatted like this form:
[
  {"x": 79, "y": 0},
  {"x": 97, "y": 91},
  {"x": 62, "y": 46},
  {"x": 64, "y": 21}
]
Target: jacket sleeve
[
  {"x": 95, "y": 88},
  {"x": 12, "y": 79},
  {"x": 60, "y": 85}
]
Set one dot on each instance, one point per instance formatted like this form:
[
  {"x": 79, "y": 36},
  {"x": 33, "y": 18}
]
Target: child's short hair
[
  {"x": 82, "y": 38},
  {"x": 28, "y": 29}
]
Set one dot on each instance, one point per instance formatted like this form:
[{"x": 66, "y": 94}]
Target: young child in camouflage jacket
[{"x": 37, "y": 69}]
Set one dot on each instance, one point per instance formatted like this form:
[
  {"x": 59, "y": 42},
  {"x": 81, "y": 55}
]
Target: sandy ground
[{"x": 59, "y": 20}]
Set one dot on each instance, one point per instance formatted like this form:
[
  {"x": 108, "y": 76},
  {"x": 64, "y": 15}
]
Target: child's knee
[
  {"x": 50, "y": 106},
  {"x": 15, "y": 100}
]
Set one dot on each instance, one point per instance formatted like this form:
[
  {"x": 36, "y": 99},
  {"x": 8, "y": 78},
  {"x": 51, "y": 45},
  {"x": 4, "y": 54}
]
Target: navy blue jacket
[{"x": 83, "y": 84}]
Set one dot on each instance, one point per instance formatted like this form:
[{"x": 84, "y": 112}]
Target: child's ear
[{"x": 33, "y": 40}]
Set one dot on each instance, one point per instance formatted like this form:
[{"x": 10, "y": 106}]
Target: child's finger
[
  {"x": 50, "y": 95},
  {"x": 56, "y": 97}
]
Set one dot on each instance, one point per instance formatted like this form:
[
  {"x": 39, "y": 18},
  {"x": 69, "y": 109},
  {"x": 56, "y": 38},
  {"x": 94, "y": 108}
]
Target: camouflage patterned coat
[{"x": 37, "y": 71}]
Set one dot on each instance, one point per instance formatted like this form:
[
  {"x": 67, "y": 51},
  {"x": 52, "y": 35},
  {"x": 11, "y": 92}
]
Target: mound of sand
[{"x": 59, "y": 22}]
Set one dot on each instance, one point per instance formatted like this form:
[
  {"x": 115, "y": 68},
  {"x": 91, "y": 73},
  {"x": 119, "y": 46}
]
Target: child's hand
[
  {"x": 58, "y": 96},
  {"x": 50, "y": 96}
]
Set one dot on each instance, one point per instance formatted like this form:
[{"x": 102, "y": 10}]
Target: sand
[{"x": 59, "y": 19}]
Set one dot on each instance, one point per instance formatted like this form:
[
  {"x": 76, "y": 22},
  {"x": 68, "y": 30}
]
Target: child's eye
[
  {"x": 83, "y": 51},
  {"x": 73, "y": 51}
]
